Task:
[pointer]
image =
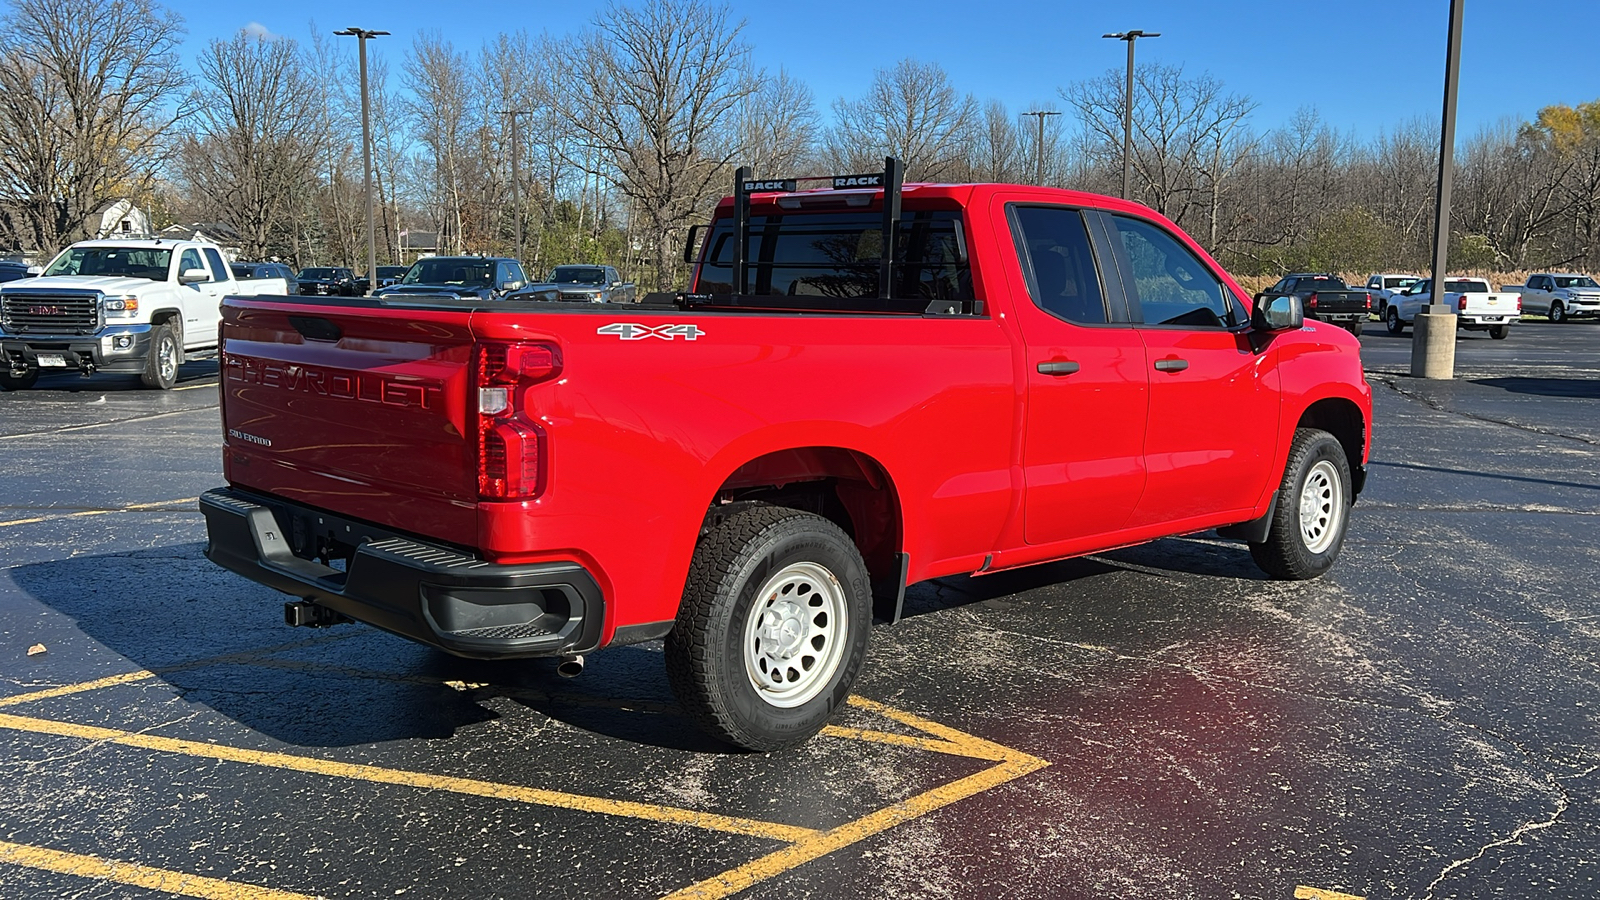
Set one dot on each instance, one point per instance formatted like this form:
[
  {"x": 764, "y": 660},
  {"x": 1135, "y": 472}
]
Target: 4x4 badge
[{"x": 632, "y": 331}]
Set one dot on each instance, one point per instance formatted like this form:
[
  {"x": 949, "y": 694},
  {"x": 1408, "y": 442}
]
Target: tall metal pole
[
  {"x": 516, "y": 175},
  {"x": 1433, "y": 332},
  {"x": 1039, "y": 148},
  {"x": 1127, "y": 107},
  {"x": 362, "y": 35}
]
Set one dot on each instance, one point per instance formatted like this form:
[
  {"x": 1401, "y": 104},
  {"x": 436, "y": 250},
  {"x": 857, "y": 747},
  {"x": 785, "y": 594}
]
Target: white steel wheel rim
[
  {"x": 168, "y": 359},
  {"x": 1321, "y": 506},
  {"x": 795, "y": 635}
]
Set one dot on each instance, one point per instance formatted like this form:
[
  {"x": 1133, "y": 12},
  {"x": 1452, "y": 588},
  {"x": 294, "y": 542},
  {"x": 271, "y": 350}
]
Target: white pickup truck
[
  {"x": 140, "y": 307},
  {"x": 1559, "y": 296},
  {"x": 1477, "y": 306}
]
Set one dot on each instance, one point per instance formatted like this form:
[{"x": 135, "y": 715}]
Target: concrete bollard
[{"x": 1433, "y": 343}]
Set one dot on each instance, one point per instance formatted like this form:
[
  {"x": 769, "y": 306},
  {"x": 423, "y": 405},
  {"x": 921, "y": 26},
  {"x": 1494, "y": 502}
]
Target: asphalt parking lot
[{"x": 1154, "y": 722}]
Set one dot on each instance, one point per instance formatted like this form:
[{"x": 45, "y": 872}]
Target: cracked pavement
[{"x": 1420, "y": 723}]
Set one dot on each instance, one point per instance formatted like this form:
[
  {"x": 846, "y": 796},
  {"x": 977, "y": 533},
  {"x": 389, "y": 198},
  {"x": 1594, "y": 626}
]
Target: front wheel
[
  {"x": 161, "y": 366},
  {"x": 773, "y": 627},
  {"x": 1558, "y": 313},
  {"x": 1499, "y": 332},
  {"x": 10, "y": 382},
  {"x": 1393, "y": 321},
  {"x": 1308, "y": 524}
]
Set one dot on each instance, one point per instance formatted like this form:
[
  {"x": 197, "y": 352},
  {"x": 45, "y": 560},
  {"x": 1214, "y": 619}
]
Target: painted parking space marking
[
  {"x": 182, "y": 884},
  {"x": 182, "y": 505},
  {"x": 1301, "y": 892},
  {"x": 803, "y": 844}
]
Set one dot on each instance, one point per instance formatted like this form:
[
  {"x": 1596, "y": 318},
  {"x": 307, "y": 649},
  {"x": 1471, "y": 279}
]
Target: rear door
[
  {"x": 1212, "y": 432},
  {"x": 1087, "y": 386}
]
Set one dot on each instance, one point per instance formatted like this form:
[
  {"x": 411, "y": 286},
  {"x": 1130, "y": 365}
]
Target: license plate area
[{"x": 52, "y": 360}]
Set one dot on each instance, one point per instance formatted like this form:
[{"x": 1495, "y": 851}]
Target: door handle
[
  {"x": 1059, "y": 367},
  {"x": 1171, "y": 365}
]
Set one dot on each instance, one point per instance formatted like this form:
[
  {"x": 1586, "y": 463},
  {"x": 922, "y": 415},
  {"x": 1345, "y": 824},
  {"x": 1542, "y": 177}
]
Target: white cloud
[{"x": 258, "y": 30}]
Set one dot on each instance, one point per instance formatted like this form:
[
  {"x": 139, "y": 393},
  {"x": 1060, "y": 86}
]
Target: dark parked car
[
  {"x": 388, "y": 275},
  {"x": 12, "y": 271},
  {"x": 327, "y": 280},
  {"x": 245, "y": 271},
  {"x": 1326, "y": 298},
  {"x": 486, "y": 277}
]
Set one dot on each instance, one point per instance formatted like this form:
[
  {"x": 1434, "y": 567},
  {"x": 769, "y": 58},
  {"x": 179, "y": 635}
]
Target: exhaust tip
[{"x": 570, "y": 666}]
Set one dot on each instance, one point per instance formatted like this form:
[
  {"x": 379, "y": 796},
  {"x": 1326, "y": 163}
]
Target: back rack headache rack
[{"x": 745, "y": 186}]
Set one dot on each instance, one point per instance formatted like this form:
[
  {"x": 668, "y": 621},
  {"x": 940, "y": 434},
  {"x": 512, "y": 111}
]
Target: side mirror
[
  {"x": 35, "y": 271},
  {"x": 191, "y": 276},
  {"x": 1259, "y": 296},
  {"x": 1280, "y": 313},
  {"x": 510, "y": 285}
]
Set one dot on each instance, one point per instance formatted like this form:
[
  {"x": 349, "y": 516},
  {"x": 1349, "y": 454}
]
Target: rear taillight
[
  {"x": 1519, "y": 304},
  {"x": 1461, "y": 304},
  {"x": 1369, "y": 301},
  {"x": 511, "y": 445},
  {"x": 1311, "y": 301}
]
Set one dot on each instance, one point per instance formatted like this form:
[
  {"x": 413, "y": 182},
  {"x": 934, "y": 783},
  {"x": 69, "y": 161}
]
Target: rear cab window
[{"x": 1058, "y": 263}]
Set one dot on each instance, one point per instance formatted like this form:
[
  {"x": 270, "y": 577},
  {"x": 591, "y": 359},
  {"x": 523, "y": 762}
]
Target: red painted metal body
[{"x": 987, "y": 463}]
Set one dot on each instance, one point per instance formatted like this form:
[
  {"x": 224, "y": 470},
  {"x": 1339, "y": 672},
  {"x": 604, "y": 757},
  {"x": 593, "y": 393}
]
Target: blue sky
[{"x": 1365, "y": 65}]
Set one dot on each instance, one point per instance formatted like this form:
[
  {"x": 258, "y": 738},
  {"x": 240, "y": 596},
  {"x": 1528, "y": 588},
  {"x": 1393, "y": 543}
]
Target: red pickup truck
[{"x": 871, "y": 384}]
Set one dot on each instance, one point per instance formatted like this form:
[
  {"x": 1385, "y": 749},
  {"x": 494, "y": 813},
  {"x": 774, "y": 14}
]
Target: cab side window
[
  {"x": 219, "y": 268},
  {"x": 1170, "y": 284},
  {"x": 190, "y": 260},
  {"x": 1053, "y": 246}
]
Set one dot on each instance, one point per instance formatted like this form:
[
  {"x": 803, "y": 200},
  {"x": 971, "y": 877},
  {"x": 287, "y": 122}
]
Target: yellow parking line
[
  {"x": 80, "y": 687},
  {"x": 773, "y": 864},
  {"x": 135, "y": 875},
  {"x": 378, "y": 775},
  {"x": 933, "y": 745},
  {"x": 1301, "y": 892},
  {"x": 195, "y": 387},
  {"x": 135, "y": 507}
]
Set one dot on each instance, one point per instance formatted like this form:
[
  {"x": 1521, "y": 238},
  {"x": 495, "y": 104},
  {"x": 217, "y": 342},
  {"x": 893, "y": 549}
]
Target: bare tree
[
  {"x": 255, "y": 142},
  {"x": 440, "y": 80},
  {"x": 87, "y": 88},
  {"x": 910, "y": 111},
  {"x": 654, "y": 91},
  {"x": 779, "y": 127}
]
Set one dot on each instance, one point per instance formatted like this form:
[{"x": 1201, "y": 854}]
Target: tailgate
[
  {"x": 1492, "y": 304},
  {"x": 353, "y": 409}
]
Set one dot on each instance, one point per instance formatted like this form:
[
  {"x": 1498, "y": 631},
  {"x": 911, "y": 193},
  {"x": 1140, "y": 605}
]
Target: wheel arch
[
  {"x": 847, "y": 486},
  {"x": 1342, "y": 418},
  {"x": 173, "y": 317}
]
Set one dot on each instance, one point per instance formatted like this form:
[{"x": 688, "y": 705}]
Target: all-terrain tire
[
  {"x": 161, "y": 366},
  {"x": 765, "y": 582},
  {"x": 1313, "y": 511}
]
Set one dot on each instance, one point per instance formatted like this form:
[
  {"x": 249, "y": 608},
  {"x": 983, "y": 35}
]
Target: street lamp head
[
  {"x": 1132, "y": 35},
  {"x": 362, "y": 33}
]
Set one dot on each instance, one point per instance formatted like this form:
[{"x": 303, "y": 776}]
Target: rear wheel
[
  {"x": 1308, "y": 524},
  {"x": 773, "y": 627},
  {"x": 1393, "y": 320},
  {"x": 1355, "y": 328},
  {"x": 10, "y": 382},
  {"x": 1558, "y": 313},
  {"x": 161, "y": 366},
  {"x": 1499, "y": 332}
]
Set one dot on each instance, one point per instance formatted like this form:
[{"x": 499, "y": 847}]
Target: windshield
[
  {"x": 444, "y": 270},
  {"x": 1567, "y": 281},
  {"x": 1466, "y": 287},
  {"x": 391, "y": 271},
  {"x": 128, "y": 262},
  {"x": 1390, "y": 283},
  {"x": 315, "y": 274},
  {"x": 578, "y": 275}
]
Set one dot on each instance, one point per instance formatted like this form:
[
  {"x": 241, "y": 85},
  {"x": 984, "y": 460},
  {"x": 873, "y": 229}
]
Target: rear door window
[{"x": 1058, "y": 263}]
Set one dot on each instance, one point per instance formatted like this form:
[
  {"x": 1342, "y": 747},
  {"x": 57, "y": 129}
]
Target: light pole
[
  {"x": 1433, "y": 330},
  {"x": 363, "y": 35},
  {"x": 1127, "y": 105},
  {"x": 516, "y": 175},
  {"x": 1040, "y": 114}
]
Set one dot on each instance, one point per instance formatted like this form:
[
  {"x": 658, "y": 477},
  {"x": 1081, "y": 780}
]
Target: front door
[
  {"x": 1210, "y": 446},
  {"x": 1087, "y": 386}
]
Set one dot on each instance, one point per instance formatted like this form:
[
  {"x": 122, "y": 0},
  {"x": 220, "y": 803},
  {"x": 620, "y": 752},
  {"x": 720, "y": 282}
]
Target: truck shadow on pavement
[
  {"x": 217, "y": 642},
  {"x": 76, "y": 383},
  {"x": 1579, "y": 388}
]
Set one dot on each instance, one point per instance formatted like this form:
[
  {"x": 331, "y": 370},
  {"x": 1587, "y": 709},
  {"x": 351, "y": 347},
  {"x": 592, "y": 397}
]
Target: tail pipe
[{"x": 570, "y": 666}]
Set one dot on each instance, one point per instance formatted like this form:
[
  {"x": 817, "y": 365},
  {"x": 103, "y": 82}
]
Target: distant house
[
  {"x": 418, "y": 243},
  {"x": 119, "y": 218},
  {"x": 219, "y": 233}
]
